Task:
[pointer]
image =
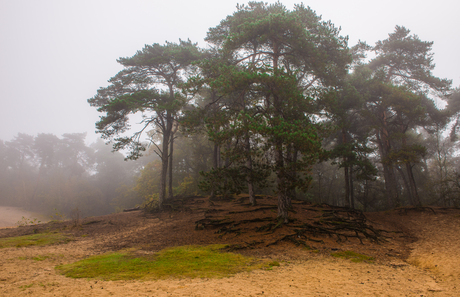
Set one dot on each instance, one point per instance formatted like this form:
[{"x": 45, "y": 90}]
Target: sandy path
[
  {"x": 21, "y": 275},
  {"x": 438, "y": 248},
  {"x": 10, "y": 216},
  {"x": 317, "y": 277}
]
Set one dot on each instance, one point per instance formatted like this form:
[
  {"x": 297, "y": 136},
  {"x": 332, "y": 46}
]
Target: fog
[{"x": 54, "y": 55}]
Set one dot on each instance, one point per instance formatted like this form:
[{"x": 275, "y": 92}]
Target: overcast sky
[{"x": 54, "y": 55}]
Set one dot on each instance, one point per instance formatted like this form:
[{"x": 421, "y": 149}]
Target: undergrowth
[
  {"x": 39, "y": 239},
  {"x": 185, "y": 261},
  {"x": 28, "y": 221}
]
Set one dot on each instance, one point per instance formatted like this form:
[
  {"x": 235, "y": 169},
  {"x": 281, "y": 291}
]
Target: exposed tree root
[
  {"x": 334, "y": 222},
  {"x": 211, "y": 211},
  {"x": 209, "y": 223},
  {"x": 294, "y": 239},
  {"x": 270, "y": 227},
  {"x": 246, "y": 245},
  {"x": 224, "y": 224},
  {"x": 226, "y": 230},
  {"x": 254, "y": 210},
  {"x": 343, "y": 223}
]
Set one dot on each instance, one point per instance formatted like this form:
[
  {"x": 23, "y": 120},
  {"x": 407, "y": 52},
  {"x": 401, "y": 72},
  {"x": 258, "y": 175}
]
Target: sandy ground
[
  {"x": 10, "y": 216},
  {"x": 432, "y": 269}
]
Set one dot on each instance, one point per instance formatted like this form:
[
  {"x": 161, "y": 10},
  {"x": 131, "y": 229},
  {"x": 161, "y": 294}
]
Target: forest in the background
[
  {"x": 60, "y": 175},
  {"x": 278, "y": 104}
]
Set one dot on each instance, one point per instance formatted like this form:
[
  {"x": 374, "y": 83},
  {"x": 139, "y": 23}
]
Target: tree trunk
[
  {"x": 218, "y": 157},
  {"x": 406, "y": 184},
  {"x": 252, "y": 197},
  {"x": 366, "y": 195},
  {"x": 291, "y": 156},
  {"x": 34, "y": 193},
  {"x": 413, "y": 186},
  {"x": 227, "y": 158},
  {"x": 283, "y": 201},
  {"x": 345, "y": 168},
  {"x": 170, "y": 170},
  {"x": 391, "y": 184},
  {"x": 164, "y": 159},
  {"x": 319, "y": 187},
  {"x": 295, "y": 154},
  {"x": 164, "y": 170},
  {"x": 352, "y": 191},
  {"x": 347, "y": 187},
  {"x": 215, "y": 163},
  {"x": 227, "y": 165},
  {"x": 283, "y": 206}
]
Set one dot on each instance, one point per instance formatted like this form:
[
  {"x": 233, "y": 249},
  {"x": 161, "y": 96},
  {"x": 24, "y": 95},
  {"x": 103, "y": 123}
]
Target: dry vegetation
[{"x": 408, "y": 252}]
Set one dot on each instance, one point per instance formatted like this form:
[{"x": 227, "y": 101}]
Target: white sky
[{"x": 54, "y": 55}]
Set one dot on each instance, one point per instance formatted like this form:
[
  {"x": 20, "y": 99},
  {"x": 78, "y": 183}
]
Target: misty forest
[{"x": 278, "y": 104}]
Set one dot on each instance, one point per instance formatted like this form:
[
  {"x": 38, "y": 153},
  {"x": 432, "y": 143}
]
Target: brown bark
[
  {"x": 170, "y": 170},
  {"x": 283, "y": 200},
  {"x": 252, "y": 197},
  {"x": 292, "y": 191},
  {"x": 291, "y": 157},
  {"x": 347, "y": 187},
  {"x": 215, "y": 163},
  {"x": 391, "y": 184},
  {"x": 346, "y": 175},
  {"x": 406, "y": 184},
  {"x": 165, "y": 157},
  {"x": 412, "y": 186},
  {"x": 352, "y": 191}
]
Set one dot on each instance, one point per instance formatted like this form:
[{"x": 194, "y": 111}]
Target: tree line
[
  {"x": 63, "y": 176},
  {"x": 280, "y": 104},
  {"x": 51, "y": 174}
]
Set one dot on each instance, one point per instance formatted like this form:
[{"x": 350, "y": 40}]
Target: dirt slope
[{"x": 417, "y": 255}]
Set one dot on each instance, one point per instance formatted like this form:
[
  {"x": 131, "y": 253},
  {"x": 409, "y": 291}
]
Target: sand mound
[{"x": 431, "y": 267}]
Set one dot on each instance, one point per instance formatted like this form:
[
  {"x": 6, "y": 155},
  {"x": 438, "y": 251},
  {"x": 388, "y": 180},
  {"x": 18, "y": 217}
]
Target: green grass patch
[
  {"x": 185, "y": 261},
  {"x": 354, "y": 257},
  {"x": 35, "y": 239}
]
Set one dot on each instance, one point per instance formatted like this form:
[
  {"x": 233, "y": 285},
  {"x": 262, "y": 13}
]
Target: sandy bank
[{"x": 10, "y": 216}]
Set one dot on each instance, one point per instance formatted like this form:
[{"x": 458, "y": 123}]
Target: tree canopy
[{"x": 279, "y": 93}]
